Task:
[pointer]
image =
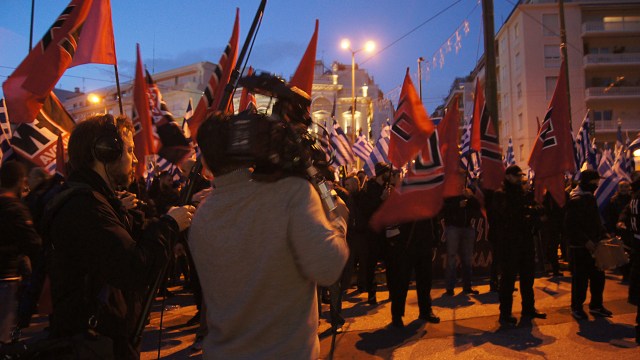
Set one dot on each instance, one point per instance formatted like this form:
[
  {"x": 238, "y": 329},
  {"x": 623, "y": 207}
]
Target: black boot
[{"x": 638, "y": 334}]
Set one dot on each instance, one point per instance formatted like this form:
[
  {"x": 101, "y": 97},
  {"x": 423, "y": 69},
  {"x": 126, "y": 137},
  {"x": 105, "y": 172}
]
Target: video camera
[{"x": 279, "y": 144}]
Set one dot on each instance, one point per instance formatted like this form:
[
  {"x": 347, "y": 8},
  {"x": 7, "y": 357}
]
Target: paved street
[{"x": 469, "y": 328}]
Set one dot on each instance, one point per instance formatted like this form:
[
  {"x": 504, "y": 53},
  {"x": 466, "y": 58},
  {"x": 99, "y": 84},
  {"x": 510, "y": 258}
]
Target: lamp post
[
  {"x": 420, "y": 60},
  {"x": 368, "y": 46},
  {"x": 96, "y": 99}
]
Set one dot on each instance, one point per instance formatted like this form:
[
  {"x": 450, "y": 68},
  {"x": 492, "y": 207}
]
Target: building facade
[{"x": 603, "y": 45}]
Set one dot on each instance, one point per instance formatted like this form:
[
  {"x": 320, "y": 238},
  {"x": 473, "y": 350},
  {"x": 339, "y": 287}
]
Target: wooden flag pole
[{"x": 115, "y": 67}]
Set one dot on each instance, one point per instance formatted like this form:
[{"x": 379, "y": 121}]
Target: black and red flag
[
  {"x": 552, "y": 154},
  {"x": 484, "y": 140},
  {"x": 82, "y": 34},
  {"x": 143, "y": 127},
  {"x": 210, "y": 100},
  {"x": 303, "y": 77}
]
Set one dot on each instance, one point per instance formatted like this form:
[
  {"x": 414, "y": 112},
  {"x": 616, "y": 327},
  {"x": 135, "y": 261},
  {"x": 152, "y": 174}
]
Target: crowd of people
[{"x": 260, "y": 253}]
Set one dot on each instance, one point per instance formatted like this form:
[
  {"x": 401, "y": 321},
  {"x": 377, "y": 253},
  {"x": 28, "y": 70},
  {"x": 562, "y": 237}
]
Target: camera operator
[
  {"x": 260, "y": 248},
  {"x": 99, "y": 270}
]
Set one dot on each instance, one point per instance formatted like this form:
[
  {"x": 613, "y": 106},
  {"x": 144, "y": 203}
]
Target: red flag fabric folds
[
  {"x": 247, "y": 99},
  {"x": 27, "y": 88},
  {"x": 412, "y": 126},
  {"x": 143, "y": 136},
  {"x": 448, "y": 129},
  {"x": 210, "y": 100},
  {"x": 484, "y": 139},
  {"x": 552, "y": 154},
  {"x": 303, "y": 77}
]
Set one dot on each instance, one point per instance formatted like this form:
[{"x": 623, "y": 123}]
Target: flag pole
[
  {"x": 563, "y": 49},
  {"x": 115, "y": 67},
  {"x": 33, "y": 4}
]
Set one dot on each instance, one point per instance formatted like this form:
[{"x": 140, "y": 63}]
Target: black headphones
[{"x": 108, "y": 145}]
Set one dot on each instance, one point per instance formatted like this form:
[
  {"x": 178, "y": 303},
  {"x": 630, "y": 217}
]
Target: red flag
[
  {"x": 420, "y": 194},
  {"x": 448, "y": 129},
  {"x": 61, "y": 167},
  {"x": 27, "y": 88},
  {"x": 247, "y": 99},
  {"x": 210, "y": 100},
  {"x": 303, "y": 77},
  {"x": 484, "y": 139},
  {"x": 552, "y": 154},
  {"x": 412, "y": 126},
  {"x": 96, "y": 44},
  {"x": 143, "y": 137}
]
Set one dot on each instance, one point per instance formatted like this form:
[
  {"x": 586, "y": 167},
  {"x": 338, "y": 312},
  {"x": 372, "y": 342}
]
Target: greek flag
[
  {"x": 340, "y": 143},
  {"x": 608, "y": 184},
  {"x": 379, "y": 153},
  {"x": 325, "y": 144},
  {"x": 468, "y": 159},
  {"x": 362, "y": 147},
  {"x": 584, "y": 148},
  {"x": 509, "y": 158}
]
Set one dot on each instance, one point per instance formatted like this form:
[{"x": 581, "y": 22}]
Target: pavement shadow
[
  {"x": 603, "y": 330},
  {"x": 488, "y": 298},
  {"x": 522, "y": 338},
  {"x": 383, "y": 342},
  {"x": 452, "y": 302}
]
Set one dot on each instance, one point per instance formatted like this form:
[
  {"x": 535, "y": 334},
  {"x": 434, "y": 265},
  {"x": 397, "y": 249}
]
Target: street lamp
[
  {"x": 96, "y": 99},
  {"x": 368, "y": 47}
]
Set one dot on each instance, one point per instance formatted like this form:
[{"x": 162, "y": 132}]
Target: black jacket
[
  {"x": 95, "y": 257},
  {"x": 456, "y": 215},
  {"x": 582, "y": 219},
  {"x": 513, "y": 214},
  {"x": 18, "y": 237}
]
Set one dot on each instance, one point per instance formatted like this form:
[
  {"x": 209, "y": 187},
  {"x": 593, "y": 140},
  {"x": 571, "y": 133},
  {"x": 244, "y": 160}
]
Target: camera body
[{"x": 278, "y": 144}]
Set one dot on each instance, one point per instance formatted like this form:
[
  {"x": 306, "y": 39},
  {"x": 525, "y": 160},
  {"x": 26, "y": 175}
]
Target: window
[
  {"x": 520, "y": 122},
  {"x": 550, "y": 86},
  {"x": 550, "y": 25},
  {"x": 516, "y": 31},
  {"x": 521, "y": 152},
  {"x": 519, "y": 91},
  {"x": 518, "y": 61},
  {"x": 551, "y": 56},
  {"x": 602, "y": 115}
]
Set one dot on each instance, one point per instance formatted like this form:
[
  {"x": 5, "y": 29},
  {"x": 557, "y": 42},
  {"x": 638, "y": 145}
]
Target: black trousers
[
  {"x": 584, "y": 274},
  {"x": 517, "y": 261},
  {"x": 403, "y": 259},
  {"x": 374, "y": 252}
]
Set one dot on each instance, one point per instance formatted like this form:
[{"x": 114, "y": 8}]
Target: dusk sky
[{"x": 176, "y": 33}]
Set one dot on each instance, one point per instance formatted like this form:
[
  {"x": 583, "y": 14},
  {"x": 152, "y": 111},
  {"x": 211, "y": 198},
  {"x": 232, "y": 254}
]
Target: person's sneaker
[
  {"x": 535, "y": 314},
  {"x": 372, "y": 300},
  {"x": 429, "y": 317},
  {"x": 601, "y": 311},
  {"x": 507, "y": 320},
  {"x": 338, "y": 329},
  {"x": 396, "y": 322},
  {"x": 197, "y": 343},
  {"x": 470, "y": 291},
  {"x": 579, "y": 314},
  {"x": 449, "y": 292}
]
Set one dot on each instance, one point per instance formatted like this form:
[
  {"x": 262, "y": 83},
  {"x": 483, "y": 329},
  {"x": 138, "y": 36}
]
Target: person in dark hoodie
[
  {"x": 584, "y": 229},
  {"x": 98, "y": 269}
]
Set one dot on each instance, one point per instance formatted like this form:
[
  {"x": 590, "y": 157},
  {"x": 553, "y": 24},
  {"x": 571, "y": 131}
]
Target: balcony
[
  {"x": 613, "y": 93},
  {"x": 592, "y": 61},
  {"x": 630, "y": 126},
  {"x": 611, "y": 28}
]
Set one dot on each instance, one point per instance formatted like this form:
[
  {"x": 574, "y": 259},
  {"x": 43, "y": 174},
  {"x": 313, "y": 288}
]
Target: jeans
[
  {"x": 459, "y": 240},
  {"x": 9, "y": 307}
]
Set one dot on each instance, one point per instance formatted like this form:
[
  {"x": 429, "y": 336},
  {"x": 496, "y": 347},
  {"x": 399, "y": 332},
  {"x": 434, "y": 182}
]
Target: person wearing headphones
[{"x": 99, "y": 271}]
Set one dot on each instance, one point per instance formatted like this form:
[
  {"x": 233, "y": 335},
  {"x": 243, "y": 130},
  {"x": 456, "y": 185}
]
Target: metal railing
[
  {"x": 625, "y": 58},
  {"x": 613, "y": 91},
  {"x": 613, "y": 26}
]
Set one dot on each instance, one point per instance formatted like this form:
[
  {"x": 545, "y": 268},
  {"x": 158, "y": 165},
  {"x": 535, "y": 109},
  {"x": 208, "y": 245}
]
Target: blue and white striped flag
[
  {"x": 608, "y": 184},
  {"x": 607, "y": 153},
  {"x": 340, "y": 143},
  {"x": 362, "y": 148},
  {"x": 379, "y": 153},
  {"x": 325, "y": 145},
  {"x": 6, "y": 151},
  {"x": 509, "y": 158},
  {"x": 584, "y": 148}
]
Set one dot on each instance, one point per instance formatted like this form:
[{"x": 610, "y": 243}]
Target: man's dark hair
[
  {"x": 213, "y": 140},
  {"x": 12, "y": 173},
  {"x": 84, "y": 135}
]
